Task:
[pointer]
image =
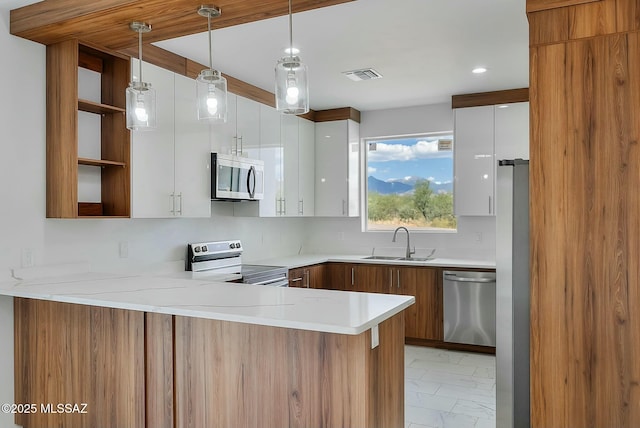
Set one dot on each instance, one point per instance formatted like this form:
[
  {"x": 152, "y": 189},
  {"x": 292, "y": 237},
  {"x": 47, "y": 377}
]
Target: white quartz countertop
[
  {"x": 298, "y": 308},
  {"x": 292, "y": 262}
]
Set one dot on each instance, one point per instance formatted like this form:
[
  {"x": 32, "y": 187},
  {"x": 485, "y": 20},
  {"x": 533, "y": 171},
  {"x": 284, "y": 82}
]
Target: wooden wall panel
[
  {"x": 62, "y": 130},
  {"x": 490, "y": 98},
  {"x": 38, "y": 333},
  {"x": 628, "y": 15},
  {"x": 159, "y": 370},
  {"x": 538, "y": 5},
  {"x": 337, "y": 114},
  {"x": 66, "y": 353},
  {"x": 585, "y": 207},
  {"x": 592, "y": 19},
  {"x": 275, "y": 377},
  {"x": 548, "y": 26},
  {"x": 106, "y": 22},
  {"x": 117, "y": 367}
]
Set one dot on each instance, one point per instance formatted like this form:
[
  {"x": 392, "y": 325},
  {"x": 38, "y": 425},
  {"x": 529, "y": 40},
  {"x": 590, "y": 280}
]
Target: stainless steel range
[{"x": 223, "y": 260}]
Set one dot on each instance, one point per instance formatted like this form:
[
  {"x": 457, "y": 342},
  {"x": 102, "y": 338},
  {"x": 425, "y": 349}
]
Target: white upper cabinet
[
  {"x": 224, "y": 134},
  {"x": 306, "y": 167},
  {"x": 192, "y": 153},
  {"x": 484, "y": 135},
  {"x": 291, "y": 185},
  {"x": 271, "y": 155},
  {"x": 170, "y": 166},
  {"x": 512, "y": 131},
  {"x": 287, "y": 150},
  {"x": 298, "y": 166},
  {"x": 337, "y": 169},
  {"x": 241, "y": 132},
  {"x": 247, "y": 126},
  {"x": 474, "y": 161},
  {"x": 152, "y": 156}
]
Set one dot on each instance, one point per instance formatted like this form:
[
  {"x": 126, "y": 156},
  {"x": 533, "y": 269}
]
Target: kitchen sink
[
  {"x": 411, "y": 259},
  {"x": 382, "y": 258}
]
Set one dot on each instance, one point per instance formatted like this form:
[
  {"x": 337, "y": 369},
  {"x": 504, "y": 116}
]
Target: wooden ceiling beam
[{"x": 106, "y": 22}]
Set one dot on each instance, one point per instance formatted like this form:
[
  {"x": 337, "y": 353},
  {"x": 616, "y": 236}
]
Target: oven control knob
[
  {"x": 232, "y": 245},
  {"x": 196, "y": 249},
  {"x": 237, "y": 245},
  {"x": 204, "y": 249}
]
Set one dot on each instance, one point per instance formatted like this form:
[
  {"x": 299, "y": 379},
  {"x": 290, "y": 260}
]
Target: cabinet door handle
[
  {"x": 173, "y": 203},
  {"x": 344, "y": 203},
  {"x": 353, "y": 274},
  {"x": 306, "y": 274},
  {"x": 301, "y": 206},
  {"x": 180, "y": 210},
  {"x": 390, "y": 280},
  {"x": 398, "y": 274},
  {"x": 489, "y": 204}
]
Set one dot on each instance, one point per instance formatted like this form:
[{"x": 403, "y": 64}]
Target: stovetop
[{"x": 224, "y": 259}]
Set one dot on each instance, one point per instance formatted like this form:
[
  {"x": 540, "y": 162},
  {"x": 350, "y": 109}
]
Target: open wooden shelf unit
[{"x": 63, "y": 105}]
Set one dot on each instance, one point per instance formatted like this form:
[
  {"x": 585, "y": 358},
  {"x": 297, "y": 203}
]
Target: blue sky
[{"x": 411, "y": 157}]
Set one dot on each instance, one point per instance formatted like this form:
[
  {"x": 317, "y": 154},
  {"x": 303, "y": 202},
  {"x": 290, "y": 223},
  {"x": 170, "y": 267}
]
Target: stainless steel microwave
[{"x": 235, "y": 178}]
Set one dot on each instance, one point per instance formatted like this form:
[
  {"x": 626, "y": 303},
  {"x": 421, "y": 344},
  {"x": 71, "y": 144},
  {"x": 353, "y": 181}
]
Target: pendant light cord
[
  {"x": 290, "y": 32},
  {"x": 140, "y": 52},
  {"x": 210, "y": 49}
]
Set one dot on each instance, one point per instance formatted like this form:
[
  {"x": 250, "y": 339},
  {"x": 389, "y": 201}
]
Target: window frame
[{"x": 364, "y": 175}]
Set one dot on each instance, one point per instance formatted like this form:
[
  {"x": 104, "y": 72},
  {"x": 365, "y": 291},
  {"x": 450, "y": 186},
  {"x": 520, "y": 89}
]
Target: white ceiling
[{"x": 425, "y": 49}]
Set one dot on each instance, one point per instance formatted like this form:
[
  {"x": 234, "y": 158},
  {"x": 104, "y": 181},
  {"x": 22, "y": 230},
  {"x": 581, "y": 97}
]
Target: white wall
[{"x": 475, "y": 236}]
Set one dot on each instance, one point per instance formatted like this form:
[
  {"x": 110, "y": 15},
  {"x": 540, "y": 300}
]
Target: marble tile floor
[{"x": 449, "y": 389}]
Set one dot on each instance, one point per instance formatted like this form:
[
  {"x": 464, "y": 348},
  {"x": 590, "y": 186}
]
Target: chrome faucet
[{"x": 409, "y": 252}]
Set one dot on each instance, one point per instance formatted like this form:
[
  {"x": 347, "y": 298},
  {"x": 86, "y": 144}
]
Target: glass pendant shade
[
  {"x": 141, "y": 106},
  {"x": 211, "y": 88},
  {"x": 292, "y": 86},
  {"x": 141, "y": 97}
]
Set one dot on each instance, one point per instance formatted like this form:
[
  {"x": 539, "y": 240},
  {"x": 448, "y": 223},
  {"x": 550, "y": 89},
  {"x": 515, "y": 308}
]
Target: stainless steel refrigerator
[{"x": 512, "y": 294}]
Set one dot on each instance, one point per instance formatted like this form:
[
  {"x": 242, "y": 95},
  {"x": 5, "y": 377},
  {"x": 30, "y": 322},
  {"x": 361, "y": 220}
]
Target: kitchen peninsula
[{"x": 151, "y": 351}]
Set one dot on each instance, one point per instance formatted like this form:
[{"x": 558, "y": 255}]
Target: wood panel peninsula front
[{"x": 158, "y": 352}]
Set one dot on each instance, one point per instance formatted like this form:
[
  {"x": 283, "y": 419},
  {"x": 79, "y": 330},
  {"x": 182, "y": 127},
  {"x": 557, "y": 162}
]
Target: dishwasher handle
[{"x": 456, "y": 278}]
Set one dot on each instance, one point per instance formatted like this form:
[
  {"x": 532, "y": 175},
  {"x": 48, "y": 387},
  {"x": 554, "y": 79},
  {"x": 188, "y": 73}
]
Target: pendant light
[
  {"x": 211, "y": 85},
  {"x": 141, "y": 97},
  {"x": 292, "y": 85}
]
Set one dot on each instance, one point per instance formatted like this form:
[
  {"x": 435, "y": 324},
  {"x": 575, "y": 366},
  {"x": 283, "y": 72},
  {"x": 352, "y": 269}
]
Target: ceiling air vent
[{"x": 362, "y": 74}]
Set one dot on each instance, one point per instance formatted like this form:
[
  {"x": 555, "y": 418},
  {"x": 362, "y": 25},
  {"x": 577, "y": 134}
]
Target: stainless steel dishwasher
[{"x": 469, "y": 307}]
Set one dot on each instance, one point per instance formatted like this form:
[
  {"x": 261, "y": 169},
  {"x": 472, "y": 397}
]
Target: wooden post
[{"x": 585, "y": 213}]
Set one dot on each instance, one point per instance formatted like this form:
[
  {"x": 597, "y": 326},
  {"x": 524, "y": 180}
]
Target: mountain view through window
[{"x": 410, "y": 182}]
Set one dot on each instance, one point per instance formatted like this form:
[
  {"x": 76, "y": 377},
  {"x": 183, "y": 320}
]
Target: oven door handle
[{"x": 272, "y": 281}]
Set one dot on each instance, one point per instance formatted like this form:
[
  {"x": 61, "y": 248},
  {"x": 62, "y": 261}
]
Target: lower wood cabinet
[
  {"x": 307, "y": 277},
  {"x": 424, "y": 319},
  {"x": 78, "y": 354},
  {"x": 146, "y": 370}
]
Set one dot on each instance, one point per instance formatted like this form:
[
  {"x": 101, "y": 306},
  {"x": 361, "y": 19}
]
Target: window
[{"x": 410, "y": 182}]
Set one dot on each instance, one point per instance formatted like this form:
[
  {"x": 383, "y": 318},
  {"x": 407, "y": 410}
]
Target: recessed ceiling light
[
  {"x": 296, "y": 51},
  {"x": 479, "y": 70}
]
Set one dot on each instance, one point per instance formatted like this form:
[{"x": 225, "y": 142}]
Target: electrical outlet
[
  {"x": 28, "y": 259},
  {"x": 123, "y": 249}
]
